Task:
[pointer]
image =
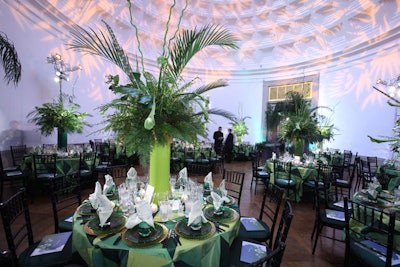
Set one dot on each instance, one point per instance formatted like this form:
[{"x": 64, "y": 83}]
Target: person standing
[
  {"x": 228, "y": 146},
  {"x": 218, "y": 138}
]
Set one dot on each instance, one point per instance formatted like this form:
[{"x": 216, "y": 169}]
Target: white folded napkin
[
  {"x": 217, "y": 200},
  {"x": 94, "y": 197},
  {"x": 101, "y": 204},
  {"x": 109, "y": 185},
  {"x": 224, "y": 192},
  {"x": 374, "y": 188},
  {"x": 183, "y": 176},
  {"x": 195, "y": 212},
  {"x": 208, "y": 182},
  {"x": 104, "y": 210},
  {"x": 143, "y": 214}
]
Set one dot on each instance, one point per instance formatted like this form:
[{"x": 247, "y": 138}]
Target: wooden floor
[{"x": 299, "y": 245}]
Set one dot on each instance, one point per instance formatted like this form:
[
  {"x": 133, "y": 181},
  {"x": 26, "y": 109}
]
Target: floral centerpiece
[
  {"x": 239, "y": 126},
  {"x": 302, "y": 125},
  {"x": 151, "y": 109},
  {"x": 60, "y": 115}
]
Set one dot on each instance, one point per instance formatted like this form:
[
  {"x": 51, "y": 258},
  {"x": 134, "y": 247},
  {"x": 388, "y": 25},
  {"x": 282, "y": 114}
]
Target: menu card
[
  {"x": 335, "y": 214},
  {"x": 251, "y": 224},
  {"x": 52, "y": 243},
  {"x": 252, "y": 252}
]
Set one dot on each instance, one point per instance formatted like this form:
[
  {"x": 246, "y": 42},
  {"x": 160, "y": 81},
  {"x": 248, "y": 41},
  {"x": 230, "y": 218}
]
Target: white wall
[{"x": 345, "y": 86}]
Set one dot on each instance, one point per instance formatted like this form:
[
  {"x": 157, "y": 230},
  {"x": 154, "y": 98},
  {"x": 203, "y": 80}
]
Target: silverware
[
  {"x": 107, "y": 236},
  {"x": 116, "y": 241}
]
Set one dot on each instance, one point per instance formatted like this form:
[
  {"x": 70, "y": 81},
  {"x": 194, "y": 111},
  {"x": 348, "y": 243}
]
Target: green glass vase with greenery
[
  {"x": 152, "y": 109},
  {"x": 301, "y": 124},
  {"x": 61, "y": 114}
]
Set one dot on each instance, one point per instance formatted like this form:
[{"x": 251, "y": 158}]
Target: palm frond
[
  {"x": 9, "y": 60},
  {"x": 190, "y": 42}
]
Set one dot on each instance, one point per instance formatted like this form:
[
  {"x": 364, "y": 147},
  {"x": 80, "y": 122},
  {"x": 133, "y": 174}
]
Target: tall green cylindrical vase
[
  {"x": 298, "y": 148},
  {"x": 160, "y": 169},
  {"x": 61, "y": 139}
]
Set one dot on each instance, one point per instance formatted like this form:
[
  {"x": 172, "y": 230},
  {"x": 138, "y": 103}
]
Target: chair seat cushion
[
  {"x": 236, "y": 249},
  {"x": 262, "y": 235},
  {"x": 47, "y": 176},
  {"x": 65, "y": 224},
  {"x": 284, "y": 182},
  {"x": 262, "y": 174},
  {"x": 366, "y": 255},
  {"x": 337, "y": 224}
]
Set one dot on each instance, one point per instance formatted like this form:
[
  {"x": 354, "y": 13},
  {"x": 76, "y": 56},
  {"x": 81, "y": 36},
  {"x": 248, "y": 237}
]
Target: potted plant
[
  {"x": 151, "y": 109},
  {"x": 60, "y": 115},
  {"x": 302, "y": 125},
  {"x": 239, "y": 127}
]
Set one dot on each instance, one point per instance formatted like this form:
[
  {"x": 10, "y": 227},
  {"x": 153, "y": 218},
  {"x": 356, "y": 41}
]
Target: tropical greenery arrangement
[
  {"x": 61, "y": 114},
  {"x": 239, "y": 126},
  {"x": 393, "y": 141},
  {"x": 302, "y": 125},
  {"x": 9, "y": 60},
  {"x": 151, "y": 109}
]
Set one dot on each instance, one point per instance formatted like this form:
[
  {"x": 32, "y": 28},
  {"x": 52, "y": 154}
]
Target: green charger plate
[
  {"x": 132, "y": 238},
  {"x": 206, "y": 231},
  {"x": 117, "y": 222},
  {"x": 228, "y": 214},
  {"x": 86, "y": 209},
  {"x": 230, "y": 203}
]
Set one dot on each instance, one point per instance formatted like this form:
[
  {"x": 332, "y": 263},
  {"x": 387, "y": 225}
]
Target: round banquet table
[
  {"x": 298, "y": 173},
  {"x": 207, "y": 252}
]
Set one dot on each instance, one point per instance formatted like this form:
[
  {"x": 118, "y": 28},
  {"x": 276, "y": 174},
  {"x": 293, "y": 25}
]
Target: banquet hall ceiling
[{"x": 271, "y": 33}]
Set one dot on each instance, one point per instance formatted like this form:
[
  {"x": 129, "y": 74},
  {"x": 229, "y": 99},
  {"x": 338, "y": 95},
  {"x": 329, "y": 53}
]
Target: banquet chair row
[{"x": 240, "y": 244}]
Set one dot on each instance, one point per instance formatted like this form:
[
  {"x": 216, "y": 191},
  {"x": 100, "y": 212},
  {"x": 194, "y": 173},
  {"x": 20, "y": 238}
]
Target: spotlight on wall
[
  {"x": 392, "y": 86},
  {"x": 61, "y": 68}
]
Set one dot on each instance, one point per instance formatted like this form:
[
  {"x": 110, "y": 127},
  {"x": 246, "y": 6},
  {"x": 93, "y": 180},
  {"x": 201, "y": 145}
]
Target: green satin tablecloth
[
  {"x": 299, "y": 175},
  {"x": 64, "y": 165},
  {"x": 207, "y": 252}
]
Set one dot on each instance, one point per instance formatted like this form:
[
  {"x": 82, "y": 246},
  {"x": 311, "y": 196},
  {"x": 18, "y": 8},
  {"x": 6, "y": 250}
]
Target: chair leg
[{"x": 319, "y": 229}]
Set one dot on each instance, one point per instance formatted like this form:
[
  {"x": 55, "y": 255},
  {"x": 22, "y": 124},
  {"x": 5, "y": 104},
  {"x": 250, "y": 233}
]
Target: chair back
[
  {"x": 375, "y": 239},
  {"x": 64, "y": 199},
  {"x": 373, "y": 164},
  {"x": 18, "y": 154},
  {"x": 45, "y": 165},
  {"x": 11, "y": 210},
  {"x": 366, "y": 173},
  {"x": 283, "y": 231},
  {"x": 324, "y": 185},
  {"x": 198, "y": 168},
  {"x": 270, "y": 206},
  {"x": 271, "y": 258},
  {"x": 234, "y": 183},
  {"x": 282, "y": 170}
]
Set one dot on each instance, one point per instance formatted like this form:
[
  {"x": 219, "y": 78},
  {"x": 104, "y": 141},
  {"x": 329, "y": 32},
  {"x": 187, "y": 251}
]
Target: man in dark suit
[{"x": 218, "y": 138}]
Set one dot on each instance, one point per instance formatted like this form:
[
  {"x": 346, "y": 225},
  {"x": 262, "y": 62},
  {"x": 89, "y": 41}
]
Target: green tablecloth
[
  {"x": 299, "y": 175},
  {"x": 207, "y": 252},
  {"x": 64, "y": 165}
]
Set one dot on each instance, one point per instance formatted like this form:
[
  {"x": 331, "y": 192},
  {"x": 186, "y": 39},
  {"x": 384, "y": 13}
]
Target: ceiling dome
[{"x": 272, "y": 33}]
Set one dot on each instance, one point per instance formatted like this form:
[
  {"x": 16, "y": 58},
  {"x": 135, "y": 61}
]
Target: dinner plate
[
  {"x": 386, "y": 195},
  {"x": 380, "y": 202},
  {"x": 230, "y": 203},
  {"x": 132, "y": 238},
  {"x": 207, "y": 230},
  {"x": 86, "y": 209},
  {"x": 117, "y": 222},
  {"x": 228, "y": 214}
]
